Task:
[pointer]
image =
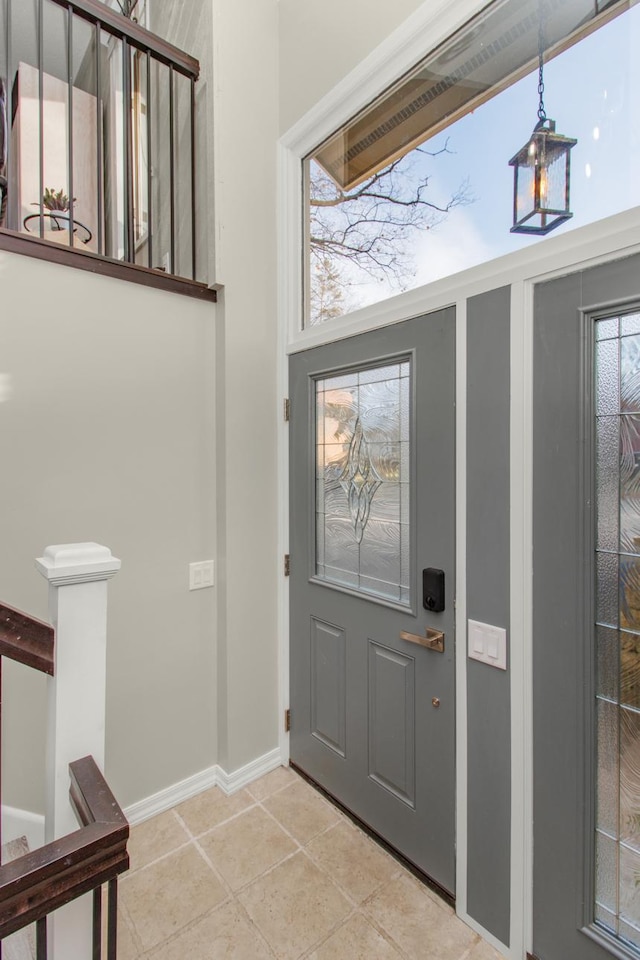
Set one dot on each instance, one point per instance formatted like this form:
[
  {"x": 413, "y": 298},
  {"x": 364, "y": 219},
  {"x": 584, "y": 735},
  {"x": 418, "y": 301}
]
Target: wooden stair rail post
[{"x": 77, "y": 575}]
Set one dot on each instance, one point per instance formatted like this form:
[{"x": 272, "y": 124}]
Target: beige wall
[
  {"x": 249, "y": 409},
  {"x": 148, "y": 422},
  {"x": 320, "y": 43},
  {"x": 108, "y": 435}
]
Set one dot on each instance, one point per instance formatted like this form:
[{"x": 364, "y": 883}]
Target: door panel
[
  {"x": 328, "y": 685},
  {"x": 392, "y": 756},
  {"x": 372, "y": 505},
  {"x": 586, "y": 791}
]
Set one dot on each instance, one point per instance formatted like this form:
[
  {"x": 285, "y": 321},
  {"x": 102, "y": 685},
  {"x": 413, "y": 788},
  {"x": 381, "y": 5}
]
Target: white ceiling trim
[{"x": 429, "y": 26}]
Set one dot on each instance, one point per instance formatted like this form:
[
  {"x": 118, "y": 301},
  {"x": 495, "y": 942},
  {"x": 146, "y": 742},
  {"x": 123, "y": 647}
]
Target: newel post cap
[{"x": 66, "y": 563}]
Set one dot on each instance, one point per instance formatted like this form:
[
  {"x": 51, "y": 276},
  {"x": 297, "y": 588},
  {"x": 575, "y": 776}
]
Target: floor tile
[
  {"x": 154, "y": 838},
  {"x": 353, "y": 861},
  {"x": 286, "y": 903},
  {"x": 356, "y": 940},
  {"x": 483, "y": 951},
  {"x": 418, "y": 923},
  {"x": 210, "y": 808},
  {"x": 168, "y": 895},
  {"x": 276, "y": 780},
  {"x": 127, "y": 947},
  {"x": 224, "y": 934},
  {"x": 294, "y": 906},
  {"x": 247, "y": 846},
  {"x": 302, "y": 811}
]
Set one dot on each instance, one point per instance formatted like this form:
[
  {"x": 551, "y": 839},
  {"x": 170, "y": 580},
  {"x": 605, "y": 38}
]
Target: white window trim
[{"x": 432, "y": 23}]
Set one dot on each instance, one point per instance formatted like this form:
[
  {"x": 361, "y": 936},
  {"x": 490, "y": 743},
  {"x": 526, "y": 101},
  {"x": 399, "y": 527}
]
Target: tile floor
[{"x": 275, "y": 871}]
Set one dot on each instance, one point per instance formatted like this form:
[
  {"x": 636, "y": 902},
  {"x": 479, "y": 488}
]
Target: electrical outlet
[{"x": 201, "y": 575}]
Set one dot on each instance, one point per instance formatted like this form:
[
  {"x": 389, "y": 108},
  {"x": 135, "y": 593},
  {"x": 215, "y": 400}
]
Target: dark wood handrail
[
  {"x": 30, "y": 246},
  {"x": 36, "y": 884},
  {"x": 96, "y": 11},
  {"x": 26, "y": 639}
]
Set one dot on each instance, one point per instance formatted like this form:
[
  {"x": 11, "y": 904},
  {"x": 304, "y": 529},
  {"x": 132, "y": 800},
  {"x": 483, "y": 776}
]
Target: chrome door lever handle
[{"x": 434, "y": 639}]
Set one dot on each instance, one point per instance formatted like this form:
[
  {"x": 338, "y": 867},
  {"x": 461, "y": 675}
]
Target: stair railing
[
  {"x": 72, "y": 653},
  {"x": 41, "y": 881}
]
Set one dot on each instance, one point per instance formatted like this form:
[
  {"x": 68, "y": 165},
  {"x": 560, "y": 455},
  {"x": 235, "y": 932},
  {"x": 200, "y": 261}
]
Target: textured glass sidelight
[
  {"x": 617, "y": 432},
  {"x": 362, "y": 480}
]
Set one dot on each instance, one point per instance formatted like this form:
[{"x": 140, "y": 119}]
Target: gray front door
[
  {"x": 372, "y": 507},
  {"x": 586, "y": 625}
]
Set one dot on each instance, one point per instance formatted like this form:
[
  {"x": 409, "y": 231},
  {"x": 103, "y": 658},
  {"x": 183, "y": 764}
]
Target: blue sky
[{"x": 588, "y": 92}]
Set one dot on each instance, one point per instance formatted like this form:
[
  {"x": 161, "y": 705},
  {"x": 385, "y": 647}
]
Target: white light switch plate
[
  {"x": 201, "y": 575},
  {"x": 488, "y": 644}
]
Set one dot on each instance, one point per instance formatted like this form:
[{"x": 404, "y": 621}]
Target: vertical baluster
[
  {"x": 193, "y": 179},
  {"x": 41, "y": 109},
  {"x": 41, "y": 939},
  {"x": 149, "y": 180},
  {"x": 0, "y": 778},
  {"x": 97, "y": 924},
  {"x": 112, "y": 920},
  {"x": 99, "y": 139},
  {"x": 0, "y": 773},
  {"x": 70, "y": 117},
  {"x": 8, "y": 98},
  {"x": 172, "y": 191},
  {"x": 129, "y": 242}
]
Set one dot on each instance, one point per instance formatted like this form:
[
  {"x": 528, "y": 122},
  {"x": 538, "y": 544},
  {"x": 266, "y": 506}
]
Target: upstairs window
[
  {"x": 97, "y": 135},
  {"x": 418, "y": 185}
]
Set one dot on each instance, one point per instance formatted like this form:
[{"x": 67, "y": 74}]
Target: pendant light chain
[
  {"x": 541, "y": 178},
  {"x": 542, "y": 113}
]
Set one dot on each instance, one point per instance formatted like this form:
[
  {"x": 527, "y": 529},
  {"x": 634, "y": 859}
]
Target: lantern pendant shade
[{"x": 541, "y": 172}]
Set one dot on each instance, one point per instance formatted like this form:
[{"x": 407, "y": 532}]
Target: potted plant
[
  {"x": 57, "y": 204},
  {"x": 56, "y": 207}
]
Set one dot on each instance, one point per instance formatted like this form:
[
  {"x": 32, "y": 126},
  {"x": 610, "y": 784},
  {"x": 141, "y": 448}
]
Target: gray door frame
[{"x": 563, "y": 650}]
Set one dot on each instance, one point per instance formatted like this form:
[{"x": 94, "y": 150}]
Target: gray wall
[
  {"x": 108, "y": 436},
  {"x": 488, "y": 693}
]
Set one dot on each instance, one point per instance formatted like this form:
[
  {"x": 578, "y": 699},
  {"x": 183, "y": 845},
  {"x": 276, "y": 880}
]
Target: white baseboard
[
  {"x": 211, "y": 777},
  {"x": 171, "y": 796},
  {"x": 231, "y": 782},
  {"x": 21, "y": 823}
]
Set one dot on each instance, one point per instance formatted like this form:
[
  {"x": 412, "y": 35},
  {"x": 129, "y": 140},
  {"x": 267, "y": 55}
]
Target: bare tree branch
[{"x": 369, "y": 229}]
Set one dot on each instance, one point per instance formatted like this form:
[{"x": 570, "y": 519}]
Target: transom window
[{"x": 418, "y": 185}]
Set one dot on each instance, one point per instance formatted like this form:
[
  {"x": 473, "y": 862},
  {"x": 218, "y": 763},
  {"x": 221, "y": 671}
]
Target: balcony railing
[{"x": 98, "y": 143}]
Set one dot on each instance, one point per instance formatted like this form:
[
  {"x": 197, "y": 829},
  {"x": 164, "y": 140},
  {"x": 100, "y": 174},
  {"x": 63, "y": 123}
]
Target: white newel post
[{"x": 77, "y": 575}]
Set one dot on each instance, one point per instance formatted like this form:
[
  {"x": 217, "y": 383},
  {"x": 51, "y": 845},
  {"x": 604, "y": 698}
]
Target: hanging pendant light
[{"x": 541, "y": 172}]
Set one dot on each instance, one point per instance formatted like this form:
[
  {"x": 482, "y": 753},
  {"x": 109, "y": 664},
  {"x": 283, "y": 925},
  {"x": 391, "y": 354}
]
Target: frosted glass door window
[
  {"x": 617, "y": 836},
  {"x": 362, "y": 480}
]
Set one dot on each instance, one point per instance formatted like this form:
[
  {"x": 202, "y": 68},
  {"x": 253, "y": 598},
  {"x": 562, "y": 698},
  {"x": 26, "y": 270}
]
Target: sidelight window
[{"x": 617, "y": 834}]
